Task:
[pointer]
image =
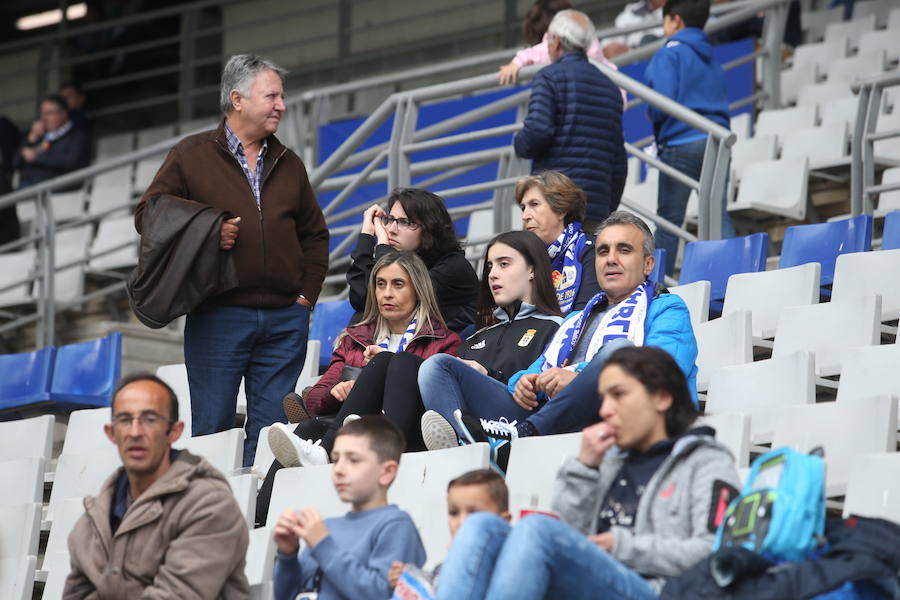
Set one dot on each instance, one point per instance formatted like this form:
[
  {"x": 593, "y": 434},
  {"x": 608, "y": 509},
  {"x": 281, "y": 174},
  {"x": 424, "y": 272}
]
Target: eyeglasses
[
  {"x": 149, "y": 420},
  {"x": 388, "y": 220}
]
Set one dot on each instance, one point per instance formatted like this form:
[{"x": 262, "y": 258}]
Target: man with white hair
[
  {"x": 277, "y": 238},
  {"x": 574, "y": 120}
]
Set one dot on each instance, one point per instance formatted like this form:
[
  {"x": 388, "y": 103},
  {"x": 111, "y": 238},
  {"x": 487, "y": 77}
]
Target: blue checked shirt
[{"x": 237, "y": 149}]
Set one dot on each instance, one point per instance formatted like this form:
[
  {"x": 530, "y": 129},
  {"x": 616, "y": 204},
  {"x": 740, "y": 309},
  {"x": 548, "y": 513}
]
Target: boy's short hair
[
  {"x": 694, "y": 13},
  {"x": 496, "y": 486},
  {"x": 385, "y": 439}
]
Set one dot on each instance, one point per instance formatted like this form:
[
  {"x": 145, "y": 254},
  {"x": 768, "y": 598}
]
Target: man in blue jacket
[
  {"x": 557, "y": 393},
  {"x": 574, "y": 120},
  {"x": 685, "y": 71}
]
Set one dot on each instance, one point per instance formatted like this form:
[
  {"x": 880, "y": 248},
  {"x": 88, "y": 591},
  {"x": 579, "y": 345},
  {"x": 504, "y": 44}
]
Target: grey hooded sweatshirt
[{"x": 672, "y": 525}]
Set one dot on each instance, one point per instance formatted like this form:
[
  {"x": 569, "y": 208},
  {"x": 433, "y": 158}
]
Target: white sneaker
[
  {"x": 285, "y": 445},
  {"x": 350, "y": 418},
  {"x": 291, "y": 451},
  {"x": 437, "y": 432}
]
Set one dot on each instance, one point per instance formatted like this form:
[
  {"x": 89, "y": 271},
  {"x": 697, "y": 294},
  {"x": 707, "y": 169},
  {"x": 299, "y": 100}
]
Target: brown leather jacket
[
  {"x": 184, "y": 537},
  {"x": 282, "y": 247}
]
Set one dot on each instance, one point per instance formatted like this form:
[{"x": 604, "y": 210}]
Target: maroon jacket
[{"x": 432, "y": 339}]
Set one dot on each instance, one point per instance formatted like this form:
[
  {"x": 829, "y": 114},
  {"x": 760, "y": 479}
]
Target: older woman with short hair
[{"x": 553, "y": 208}]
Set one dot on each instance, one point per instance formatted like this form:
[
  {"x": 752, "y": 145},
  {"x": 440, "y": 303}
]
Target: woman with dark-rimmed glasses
[{"x": 417, "y": 221}]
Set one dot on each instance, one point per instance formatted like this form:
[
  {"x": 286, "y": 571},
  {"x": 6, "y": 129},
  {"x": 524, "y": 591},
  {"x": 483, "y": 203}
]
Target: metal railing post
[
  {"x": 704, "y": 195},
  {"x": 772, "y": 36},
  {"x": 856, "y": 150},
  {"x": 186, "y": 67},
  {"x": 46, "y": 303},
  {"x": 868, "y": 146}
]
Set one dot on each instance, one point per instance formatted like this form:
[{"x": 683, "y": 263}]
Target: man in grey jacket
[
  {"x": 165, "y": 524},
  {"x": 640, "y": 502}
]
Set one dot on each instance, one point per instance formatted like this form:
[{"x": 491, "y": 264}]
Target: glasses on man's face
[
  {"x": 148, "y": 420},
  {"x": 388, "y": 220}
]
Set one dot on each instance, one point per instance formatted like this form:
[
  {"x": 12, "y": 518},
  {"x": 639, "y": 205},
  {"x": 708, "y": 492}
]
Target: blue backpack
[{"x": 781, "y": 509}]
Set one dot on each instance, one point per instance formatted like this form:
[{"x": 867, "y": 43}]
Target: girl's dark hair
[
  {"x": 538, "y": 18},
  {"x": 657, "y": 371},
  {"x": 533, "y": 250},
  {"x": 428, "y": 210}
]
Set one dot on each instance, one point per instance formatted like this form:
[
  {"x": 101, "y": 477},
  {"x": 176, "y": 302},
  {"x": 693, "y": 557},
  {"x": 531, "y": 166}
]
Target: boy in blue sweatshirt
[
  {"x": 348, "y": 558},
  {"x": 685, "y": 71}
]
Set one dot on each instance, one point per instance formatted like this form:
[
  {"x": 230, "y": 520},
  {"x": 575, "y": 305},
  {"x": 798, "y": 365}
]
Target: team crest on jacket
[
  {"x": 557, "y": 279},
  {"x": 527, "y": 337}
]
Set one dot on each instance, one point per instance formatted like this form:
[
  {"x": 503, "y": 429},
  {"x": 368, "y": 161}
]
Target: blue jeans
[
  {"x": 672, "y": 196},
  {"x": 541, "y": 557},
  {"x": 447, "y": 384},
  {"x": 265, "y": 346},
  {"x": 578, "y": 404}
]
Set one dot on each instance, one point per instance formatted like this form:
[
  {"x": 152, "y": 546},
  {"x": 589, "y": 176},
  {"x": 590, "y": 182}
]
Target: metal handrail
[
  {"x": 862, "y": 144},
  {"x": 405, "y": 140}
]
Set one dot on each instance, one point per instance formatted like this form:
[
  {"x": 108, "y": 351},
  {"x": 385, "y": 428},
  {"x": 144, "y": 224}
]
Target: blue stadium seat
[
  {"x": 328, "y": 319},
  {"x": 891, "y": 238},
  {"x": 86, "y": 374},
  {"x": 658, "y": 274},
  {"x": 26, "y": 378},
  {"x": 823, "y": 242},
  {"x": 717, "y": 260}
]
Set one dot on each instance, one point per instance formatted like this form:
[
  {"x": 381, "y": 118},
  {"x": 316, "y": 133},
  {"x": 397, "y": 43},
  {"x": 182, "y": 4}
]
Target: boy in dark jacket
[{"x": 685, "y": 71}]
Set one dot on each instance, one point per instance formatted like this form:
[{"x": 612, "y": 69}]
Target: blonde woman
[{"x": 400, "y": 327}]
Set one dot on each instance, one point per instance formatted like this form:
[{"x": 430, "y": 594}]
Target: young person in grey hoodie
[{"x": 640, "y": 503}]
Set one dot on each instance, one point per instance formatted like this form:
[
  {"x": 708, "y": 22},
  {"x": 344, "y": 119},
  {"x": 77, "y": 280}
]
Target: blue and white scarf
[
  {"x": 565, "y": 259},
  {"x": 625, "y": 321},
  {"x": 408, "y": 335}
]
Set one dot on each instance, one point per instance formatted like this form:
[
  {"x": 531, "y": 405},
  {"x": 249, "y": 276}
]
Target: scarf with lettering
[
  {"x": 626, "y": 320},
  {"x": 565, "y": 258}
]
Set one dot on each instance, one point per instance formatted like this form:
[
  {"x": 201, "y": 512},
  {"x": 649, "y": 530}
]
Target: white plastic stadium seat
[
  {"x": 774, "y": 187},
  {"x": 25, "y": 480},
  {"x": 764, "y": 294},
  {"x": 15, "y": 267},
  {"x": 816, "y": 94},
  {"x": 879, "y": 8},
  {"x": 244, "y": 489},
  {"x": 67, "y": 513},
  {"x": 299, "y": 487},
  {"x": 860, "y": 66},
  {"x": 824, "y": 146},
  {"x": 223, "y": 450},
  {"x": 870, "y": 371},
  {"x": 874, "y": 487},
  {"x": 27, "y": 438},
  {"x": 852, "y": 30},
  {"x": 696, "y": 296},
  {"x": 533, "y": 463},
  {"x": 814, "y": 22},
  {"x": 869, "y": 273},
  {"x": 820, "y": 54},
  {"x": 17, "y": 577},
  {"x": 113, "y": 146},
  {"x": 260, "y": 561},
  {"x": 846, "y": 430},
  {"x": 112, "y": 233},
  {"x": 732, "y": 430},
  {"x": 782, "y": 120},
  {"x": 880, "y": 41},
  {"x": 840, "y": 112},
  {"x": 20, "y": 529},
  {"x": 756, "y": 149},
  {"x": 85, "y": 432},
  {"x": 176, "y": 377},
  {"x": 56, "y": 569},
  {"x": 889, "y": 201},
  {"x": 68, "y": 205},
  {"x": 421, "y": 490},
  {"x": 71, "y": 245},
  {"x": 759, "y": 389},
  {"x": 722, "y": 342},
  {"x": 740, "y": 125},
  {"x": 80, "y": 475},
  {"x": 829, "y": 331},
  {"x": 111, "y": 190}
]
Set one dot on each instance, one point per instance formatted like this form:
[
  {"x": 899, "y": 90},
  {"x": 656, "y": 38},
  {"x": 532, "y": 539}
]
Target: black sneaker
[{"x": 497, "y": 434}]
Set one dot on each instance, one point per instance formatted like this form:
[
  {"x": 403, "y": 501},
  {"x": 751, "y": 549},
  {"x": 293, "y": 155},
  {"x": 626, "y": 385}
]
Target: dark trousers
[{"x": 388, "y": 384}]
